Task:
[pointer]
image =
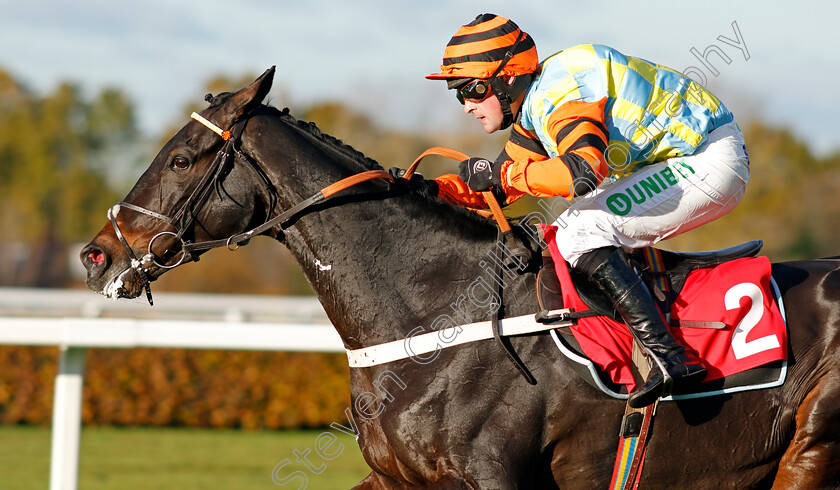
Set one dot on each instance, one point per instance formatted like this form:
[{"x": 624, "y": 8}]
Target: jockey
[{"x": 642, "y": 152}]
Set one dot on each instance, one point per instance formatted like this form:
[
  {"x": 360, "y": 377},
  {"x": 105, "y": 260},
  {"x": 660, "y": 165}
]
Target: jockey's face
[{"x": 488, "y": 112}]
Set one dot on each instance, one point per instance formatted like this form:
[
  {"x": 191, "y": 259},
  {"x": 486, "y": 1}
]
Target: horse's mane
[
  {"x": 311, "y": 129},
  {"x": 336, "y": 144}
]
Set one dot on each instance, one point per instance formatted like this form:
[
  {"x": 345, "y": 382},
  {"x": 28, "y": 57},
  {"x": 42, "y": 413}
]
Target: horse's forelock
[{"x": 219, "y": 99}]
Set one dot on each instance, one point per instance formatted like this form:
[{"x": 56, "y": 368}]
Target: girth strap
[
  {"x": 634, "y": 435},
  {"x": 417, "y": 344}
]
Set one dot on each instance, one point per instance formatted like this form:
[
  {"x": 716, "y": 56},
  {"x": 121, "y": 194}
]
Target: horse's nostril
[
  {"x": 96, "y": 256},
  {"x": 93, "y": 257}
]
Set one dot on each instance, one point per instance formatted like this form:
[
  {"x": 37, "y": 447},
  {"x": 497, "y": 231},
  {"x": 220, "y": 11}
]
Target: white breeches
[{"x": 659, "y": 201}]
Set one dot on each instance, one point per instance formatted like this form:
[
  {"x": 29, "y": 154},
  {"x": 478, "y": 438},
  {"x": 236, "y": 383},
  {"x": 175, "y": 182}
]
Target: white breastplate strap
[{"x": 417, "y": 345}]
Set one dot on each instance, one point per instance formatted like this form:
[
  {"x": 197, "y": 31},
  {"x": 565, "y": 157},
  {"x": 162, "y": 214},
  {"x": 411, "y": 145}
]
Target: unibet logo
[
  {"x": 481, "y": 165},
  {"x": 621, "y": 202}
]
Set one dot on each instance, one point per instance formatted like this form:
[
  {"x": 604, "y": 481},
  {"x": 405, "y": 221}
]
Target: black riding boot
[{"x": 636, "y": 305}]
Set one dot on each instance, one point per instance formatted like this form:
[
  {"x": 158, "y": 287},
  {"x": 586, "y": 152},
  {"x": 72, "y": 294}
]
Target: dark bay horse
[{"x": 385, "y": 259}]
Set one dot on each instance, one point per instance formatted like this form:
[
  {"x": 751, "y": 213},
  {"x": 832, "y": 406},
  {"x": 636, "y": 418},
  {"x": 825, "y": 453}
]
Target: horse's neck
[
  {"x": 380, "y": 272},
  {"x": 384, "y": 265}
]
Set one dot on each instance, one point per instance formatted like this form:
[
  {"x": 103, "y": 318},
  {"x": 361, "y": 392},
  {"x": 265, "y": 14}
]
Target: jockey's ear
[{"x": 244, "y": 101}]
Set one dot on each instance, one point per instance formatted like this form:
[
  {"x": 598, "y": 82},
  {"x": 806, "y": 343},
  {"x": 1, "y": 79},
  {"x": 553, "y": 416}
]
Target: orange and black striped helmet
[{"x": 479, "y": 48}]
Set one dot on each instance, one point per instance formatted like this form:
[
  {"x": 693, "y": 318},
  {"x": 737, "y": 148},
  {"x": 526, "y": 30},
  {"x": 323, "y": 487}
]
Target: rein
[{"x": 186, "y": 215}]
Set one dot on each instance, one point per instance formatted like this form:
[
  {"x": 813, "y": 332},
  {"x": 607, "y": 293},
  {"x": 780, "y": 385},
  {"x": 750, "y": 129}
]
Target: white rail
[{"x": 72, "y": 320}]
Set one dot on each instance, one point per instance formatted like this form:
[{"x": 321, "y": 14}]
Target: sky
[{"x": 373, "y": 54}]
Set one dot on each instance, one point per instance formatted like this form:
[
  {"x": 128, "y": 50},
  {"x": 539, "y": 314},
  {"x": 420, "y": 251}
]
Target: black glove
[
  {"x": 481, "y": 175},
  {"x": 416, "y": 182}
]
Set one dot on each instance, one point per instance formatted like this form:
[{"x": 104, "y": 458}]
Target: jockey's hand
[
  {"x": 416, "y": 182},
  {"x": 479, "y": 174}
]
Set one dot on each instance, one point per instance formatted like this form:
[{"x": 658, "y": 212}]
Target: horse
[{"x": 385, "y": 260}]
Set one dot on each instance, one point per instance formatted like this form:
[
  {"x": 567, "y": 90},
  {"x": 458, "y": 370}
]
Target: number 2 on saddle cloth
[{"x": 736, "y": 293}]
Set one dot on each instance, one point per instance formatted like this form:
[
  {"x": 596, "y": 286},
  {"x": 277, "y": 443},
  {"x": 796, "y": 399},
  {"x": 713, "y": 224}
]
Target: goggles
[{"x": 477, "y": 90}]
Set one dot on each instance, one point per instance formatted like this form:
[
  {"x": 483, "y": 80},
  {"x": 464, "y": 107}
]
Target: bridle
[{"x": 185, "y": 217}]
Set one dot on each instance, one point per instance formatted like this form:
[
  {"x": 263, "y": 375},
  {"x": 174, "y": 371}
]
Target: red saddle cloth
[{"x": 737, "y": 293}]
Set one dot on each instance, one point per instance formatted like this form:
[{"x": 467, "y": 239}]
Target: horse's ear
[{"x": 245, "y": 100}]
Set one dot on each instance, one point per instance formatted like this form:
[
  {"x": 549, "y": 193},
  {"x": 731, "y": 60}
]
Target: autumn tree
[
  {"x": 55, "y": 151},
  {"x": 789, "y": 200}
]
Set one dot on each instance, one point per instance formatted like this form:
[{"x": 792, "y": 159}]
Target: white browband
[{"x": 212, "y": 127}]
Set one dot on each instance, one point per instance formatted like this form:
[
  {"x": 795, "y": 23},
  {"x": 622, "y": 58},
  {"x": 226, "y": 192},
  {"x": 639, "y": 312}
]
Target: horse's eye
[{"x": 180, "y": 163}]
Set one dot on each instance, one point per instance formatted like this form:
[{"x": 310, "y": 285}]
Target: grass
[{"x": 154, "y": 458}]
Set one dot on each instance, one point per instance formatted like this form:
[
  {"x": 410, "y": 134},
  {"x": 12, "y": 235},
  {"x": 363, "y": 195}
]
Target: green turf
[{"x": 152, "y": 458}]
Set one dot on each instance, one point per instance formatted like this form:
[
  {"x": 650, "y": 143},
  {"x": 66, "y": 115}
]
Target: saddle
[{"x": 674, "y": 267}]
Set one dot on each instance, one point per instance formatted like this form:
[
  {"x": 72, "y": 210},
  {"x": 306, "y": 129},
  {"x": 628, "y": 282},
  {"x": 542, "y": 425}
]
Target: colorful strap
[
  {"x": 633, "y": 436},
  {"x": 653, "y": 258},
  {"x": 631, "y": 453}
]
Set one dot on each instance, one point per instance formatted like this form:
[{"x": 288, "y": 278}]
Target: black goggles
[{"x": 477, "y": 90}]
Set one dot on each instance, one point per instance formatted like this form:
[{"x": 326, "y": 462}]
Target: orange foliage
[{"x": 178, "y": 387}]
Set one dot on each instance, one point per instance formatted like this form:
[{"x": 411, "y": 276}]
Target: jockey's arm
[{"x": 581, "y": 137}]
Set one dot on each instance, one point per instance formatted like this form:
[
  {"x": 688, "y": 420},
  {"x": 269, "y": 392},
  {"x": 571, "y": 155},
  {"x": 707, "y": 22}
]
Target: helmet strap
[{"x": 500, "y": 87}]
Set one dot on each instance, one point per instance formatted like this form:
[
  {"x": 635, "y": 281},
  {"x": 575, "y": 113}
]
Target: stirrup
[{"x": 667, "y": 380}]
